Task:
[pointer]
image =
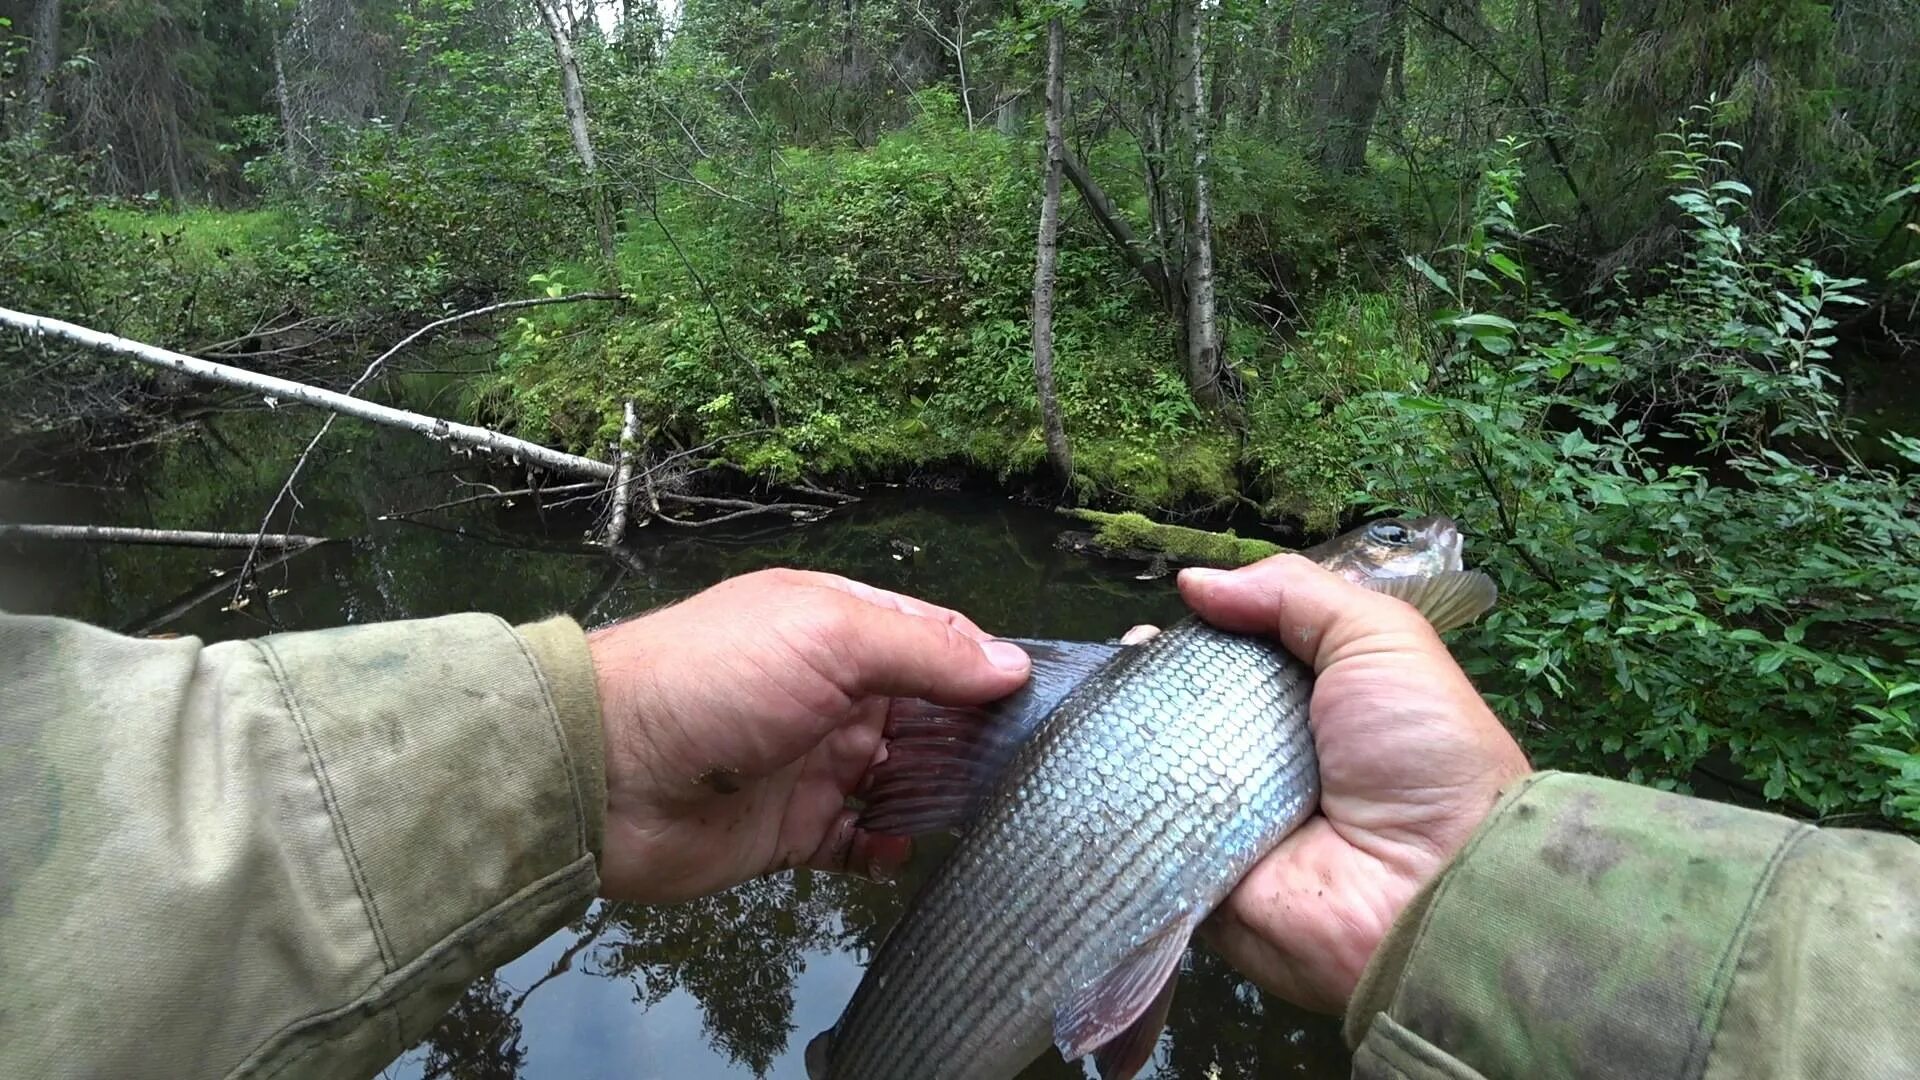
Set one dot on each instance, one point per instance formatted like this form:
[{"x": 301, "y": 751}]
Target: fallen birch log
[
  {"x": 108, "y": 534},
  {"x": 277, "y": 389}
]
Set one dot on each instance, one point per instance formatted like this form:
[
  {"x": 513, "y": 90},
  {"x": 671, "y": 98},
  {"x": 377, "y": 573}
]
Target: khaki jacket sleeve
[
  {"x": 1598, "y": 929},
  {"x": 280, "y": 857}
]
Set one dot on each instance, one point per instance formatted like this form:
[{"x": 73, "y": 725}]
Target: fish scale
[{"x": 1149, "y": 793}]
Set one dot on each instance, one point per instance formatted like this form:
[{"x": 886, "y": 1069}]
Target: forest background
[{"x": 1627, "y": 286}]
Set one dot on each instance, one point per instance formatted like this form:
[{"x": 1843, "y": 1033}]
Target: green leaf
[
  {"x": 1506, "y": 266},
  {"x": 1485, "y": 321},
  {"x": 1427, "y": 270}
]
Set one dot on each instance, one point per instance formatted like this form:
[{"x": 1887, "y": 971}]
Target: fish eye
[{"x": 1390, "y": 532}]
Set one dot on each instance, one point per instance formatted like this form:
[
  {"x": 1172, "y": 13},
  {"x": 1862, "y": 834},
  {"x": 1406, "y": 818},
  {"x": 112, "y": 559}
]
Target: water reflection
[{"x": 731, "y": 986}]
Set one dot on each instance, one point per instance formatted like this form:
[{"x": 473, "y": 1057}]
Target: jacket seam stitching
[
  {"x": 342, "y": 835},
  {"x": 440, "y": 956},
  {"x": 559, "y": 734},
  {"x": 1700, "y": 1050}
]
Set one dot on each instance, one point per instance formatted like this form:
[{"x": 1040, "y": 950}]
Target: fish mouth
[{"x": 1448, "y": 543}]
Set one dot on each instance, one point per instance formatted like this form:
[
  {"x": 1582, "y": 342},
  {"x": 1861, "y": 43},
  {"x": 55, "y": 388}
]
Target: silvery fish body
[
  {"x": 1104, "y": 811},
  {"x": 1149, "y": 793}
]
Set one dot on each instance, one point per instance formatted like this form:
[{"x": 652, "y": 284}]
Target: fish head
[{"x": 1392, "y": 548}]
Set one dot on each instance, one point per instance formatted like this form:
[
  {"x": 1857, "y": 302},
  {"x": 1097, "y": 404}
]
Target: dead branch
[
  {"x": 300, "y": 463},
  {"x": 800, "y": 511},
  {"x": 433, "y": 427},
  {"x": 622, "y": 483},
  {"x": 496, "y": 493},
  {"x": 161, "y": 616},
  {"x": 107, "y": 534}
]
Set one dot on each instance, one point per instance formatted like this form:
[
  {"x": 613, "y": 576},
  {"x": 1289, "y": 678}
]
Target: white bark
[
  {"x": 1203, "y": 327},
  {"x": 622, "y": 482},
  {"x": 478, "y": 438},
  {"x": 573, "y": 97},
  {"x": 108, "y": 534},
  {"x": 1047, "y": 258}
]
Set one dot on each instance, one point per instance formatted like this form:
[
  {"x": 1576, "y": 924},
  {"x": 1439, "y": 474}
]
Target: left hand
[{"x": 737, "y": 722}]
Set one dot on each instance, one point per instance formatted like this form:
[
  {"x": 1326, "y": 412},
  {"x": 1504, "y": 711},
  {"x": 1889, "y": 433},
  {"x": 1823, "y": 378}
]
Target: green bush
[{"x": 1698, "y": 569}]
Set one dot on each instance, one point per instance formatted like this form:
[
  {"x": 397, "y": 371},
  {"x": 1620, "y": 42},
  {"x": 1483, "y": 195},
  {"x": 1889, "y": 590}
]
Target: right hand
[{"x": 1411, "y": 761}]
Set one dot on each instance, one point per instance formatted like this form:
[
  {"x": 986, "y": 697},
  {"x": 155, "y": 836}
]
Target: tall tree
[
  {"x": 1205, "y": 374},
  {"x": 1047, "y": 257},
  {"x": 1366, "y": 55},
  {"x": 43, "y": 59},
  {"x": 561, "y": 23}
]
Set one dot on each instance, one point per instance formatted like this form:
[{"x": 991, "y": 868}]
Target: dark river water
[{"x": 730, "y": 986}]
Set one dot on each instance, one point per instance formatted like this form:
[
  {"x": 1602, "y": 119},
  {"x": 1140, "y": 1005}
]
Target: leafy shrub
[{"x": 1698, "y": 569}]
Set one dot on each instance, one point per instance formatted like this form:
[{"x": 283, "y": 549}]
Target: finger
[
  {"x": 1139, "y": 635},
  {"x": 879, "y": 650},
  {"x": 1311, "y": 611},
  {"x": 902, "y": 603}
]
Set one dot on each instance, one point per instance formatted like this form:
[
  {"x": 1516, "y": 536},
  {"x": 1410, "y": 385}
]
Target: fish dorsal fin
[
  {"x": 1448, "y": 599},
  {"x": 1118, "y": 1017},
  {"x": 941, "y": 761}
]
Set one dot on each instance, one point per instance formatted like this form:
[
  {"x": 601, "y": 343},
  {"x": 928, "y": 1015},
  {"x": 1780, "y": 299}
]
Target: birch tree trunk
[
  {"x": 1202, "y": 323},
  {"x": 43, "y": 59},
  {"x": 573, "y": 97},
  {"x": 1047, "y": 257}
]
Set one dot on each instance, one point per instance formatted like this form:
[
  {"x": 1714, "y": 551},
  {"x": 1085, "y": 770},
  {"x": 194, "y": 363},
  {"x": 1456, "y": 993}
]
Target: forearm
[
  {"x": 1596, "y": 928},
  {"x": 232, "y": 858}
]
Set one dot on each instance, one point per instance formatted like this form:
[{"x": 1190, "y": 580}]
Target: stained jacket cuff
[
  {"x": 560, "y": 655},
  {"x": 1589, "y": 927},
  {"x": 462, "y": 766}
]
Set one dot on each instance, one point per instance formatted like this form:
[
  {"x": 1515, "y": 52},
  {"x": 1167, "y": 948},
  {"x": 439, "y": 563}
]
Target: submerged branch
[{"x": 107, "y": 534}]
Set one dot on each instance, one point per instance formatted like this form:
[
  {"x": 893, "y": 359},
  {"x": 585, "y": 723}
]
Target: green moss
[{"x": 1131, "y": 531}]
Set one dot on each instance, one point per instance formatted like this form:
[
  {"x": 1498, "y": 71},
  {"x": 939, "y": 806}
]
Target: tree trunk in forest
[
  {"x": 43, "y": 59},
  {"x": 573, "y": 97},
  {"x": 283, "y": 98},
  {"x": 1114, "y": 224},
  {"x": 1590, "y": 20},
  {"x": 1204, "y": 376},
  {"x": 1349, "y": 114},
  {"x": 1047, "y": 256}
]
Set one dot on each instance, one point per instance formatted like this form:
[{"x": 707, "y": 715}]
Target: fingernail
[
  {"x": 1202, "y": 573},
  {"x": 1006, "y": 656}
]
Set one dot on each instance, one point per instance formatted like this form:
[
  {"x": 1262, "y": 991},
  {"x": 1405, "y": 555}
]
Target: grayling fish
[{"x": 1104, "y": 811}]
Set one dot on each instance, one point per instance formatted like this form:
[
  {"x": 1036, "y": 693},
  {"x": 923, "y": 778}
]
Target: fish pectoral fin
[
  {"x": 941, "y": 760},
  {"x": 1448, "y": 599},
  {"x": 1118, "y": 1017}
]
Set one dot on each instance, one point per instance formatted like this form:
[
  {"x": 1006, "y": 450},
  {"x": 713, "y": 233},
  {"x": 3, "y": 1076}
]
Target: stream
[{"x": 730, "y": 986}]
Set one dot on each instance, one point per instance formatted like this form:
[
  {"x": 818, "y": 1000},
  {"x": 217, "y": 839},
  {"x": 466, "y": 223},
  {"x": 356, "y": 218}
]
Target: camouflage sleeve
[
  {"x": 284, "y": 856},
  {"x": 1594, "y": 928}
]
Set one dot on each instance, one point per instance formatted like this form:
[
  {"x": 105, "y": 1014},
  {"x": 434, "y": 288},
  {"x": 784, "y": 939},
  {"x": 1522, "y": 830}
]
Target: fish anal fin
[
  {"x": 1118, "y": 1016},
  {"x": 1129, "y": 1052},
  {"x": 942, "y": 760},
  {"x": 1448, "y": 599}
]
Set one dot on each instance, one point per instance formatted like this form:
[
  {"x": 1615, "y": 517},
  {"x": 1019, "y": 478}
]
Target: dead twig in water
[
  {"x": 286, "y": 489},
  {"x": 496, "y": 493}
]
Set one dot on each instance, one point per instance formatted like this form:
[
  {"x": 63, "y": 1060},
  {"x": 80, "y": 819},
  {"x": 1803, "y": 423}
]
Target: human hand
[
  {"x": 1411, "y": 761},
  {"x": 737, "y": 721}
]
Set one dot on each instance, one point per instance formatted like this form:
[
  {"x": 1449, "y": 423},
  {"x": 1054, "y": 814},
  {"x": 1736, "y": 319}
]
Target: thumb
[
  {"x": 1316, "y": 614},
  {"x": 898, "y": 654}
]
